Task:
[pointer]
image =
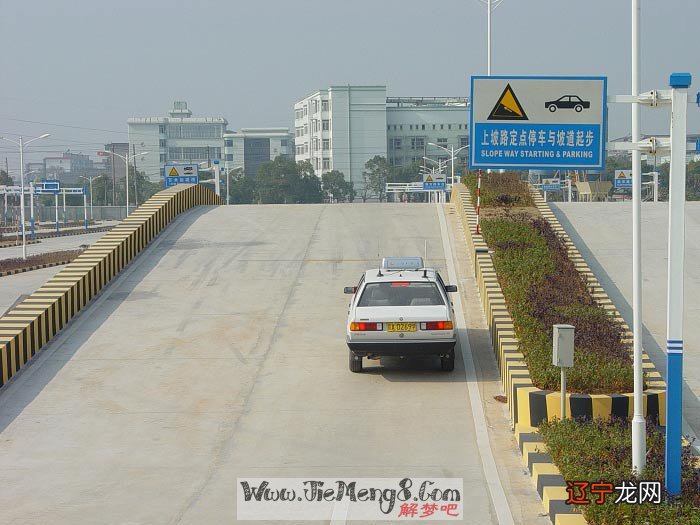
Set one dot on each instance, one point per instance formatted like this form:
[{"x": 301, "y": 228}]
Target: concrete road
[
  {"x": 603, "y": 233},
  {"x": 22, "y": 284},
  {"x": 219, "y": 354}
]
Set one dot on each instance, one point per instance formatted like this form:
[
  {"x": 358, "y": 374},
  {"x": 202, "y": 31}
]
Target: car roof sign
[{"x": 402, "y": 263}]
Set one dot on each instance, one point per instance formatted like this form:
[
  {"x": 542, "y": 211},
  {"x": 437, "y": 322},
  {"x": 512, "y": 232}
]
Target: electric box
[{"x": 563, "y": 355}]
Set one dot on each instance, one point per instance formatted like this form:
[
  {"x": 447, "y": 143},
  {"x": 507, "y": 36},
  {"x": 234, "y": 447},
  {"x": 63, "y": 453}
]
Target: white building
[
  {"x": 341, "y": 128},
  {"x": 177, "y": 138},
  {"x": 415, "y": 124},
  {"x": 250, "y": 148}
]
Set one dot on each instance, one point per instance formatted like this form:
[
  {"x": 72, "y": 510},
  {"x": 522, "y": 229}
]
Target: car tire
[
  {"x": 447, "y": 364},
  {"x": 552, "y": 108},
  {"x": 355, "y": 362},
  {"x": 578, "y": 108}
]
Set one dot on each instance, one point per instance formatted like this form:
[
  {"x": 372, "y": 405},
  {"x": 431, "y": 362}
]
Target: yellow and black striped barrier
[{"x": 31, "y": 324}]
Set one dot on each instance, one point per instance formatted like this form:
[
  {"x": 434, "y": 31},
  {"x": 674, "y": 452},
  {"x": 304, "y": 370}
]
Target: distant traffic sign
[
  {"x": 434, "y": 181},
  {"x": 50, "y": 186},
  {"x": 551, "y": 184},
  {"x": 623, "y": 179},
  {"x": 181, "y": 174},
  {"x": 538, "y": 122}
]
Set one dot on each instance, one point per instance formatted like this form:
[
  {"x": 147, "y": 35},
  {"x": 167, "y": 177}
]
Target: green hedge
[
  {"x": 500, "y": 189},
  {"x": 600, "y": 451},
  {"x": 542, "y": 287}
]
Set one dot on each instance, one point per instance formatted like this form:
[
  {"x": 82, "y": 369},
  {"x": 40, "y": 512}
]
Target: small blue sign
[
  {"x": 697, "y": 145},
  {"x": 430, "y": 186},
  {"x": 51, "y": 186},
  {"x": 172, "y": 181},
  {"x": 551, "y": 187},
  {"x": 623, "y": 183}
]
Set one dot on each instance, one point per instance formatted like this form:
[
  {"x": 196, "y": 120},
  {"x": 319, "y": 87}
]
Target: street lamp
[
  {"x": 89, "y": 179},
  {"x": 228, "y": 182},
  {"x": 21, "y": 143},
  {"x": 490, "y": 6},
  {"x": 453, "y": 153},
  {"x": 126, "y": 160}
]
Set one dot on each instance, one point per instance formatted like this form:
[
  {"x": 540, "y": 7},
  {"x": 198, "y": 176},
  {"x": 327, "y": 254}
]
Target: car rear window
[{"x": 401, "y": 293}]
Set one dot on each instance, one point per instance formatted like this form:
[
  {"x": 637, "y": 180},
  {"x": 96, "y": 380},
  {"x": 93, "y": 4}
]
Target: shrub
[
  {"x": 600, "y": 451},
  {"x": 500, "y": 189},
  {"x": 542, "y": 287}
]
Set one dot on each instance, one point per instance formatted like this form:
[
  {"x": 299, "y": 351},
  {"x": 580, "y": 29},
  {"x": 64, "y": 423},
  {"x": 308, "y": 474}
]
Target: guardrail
[{"x": 32, "y": 323}]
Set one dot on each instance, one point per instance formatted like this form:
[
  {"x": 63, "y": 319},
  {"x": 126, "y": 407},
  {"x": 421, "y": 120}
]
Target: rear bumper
[{"x": 407, "y": 349}]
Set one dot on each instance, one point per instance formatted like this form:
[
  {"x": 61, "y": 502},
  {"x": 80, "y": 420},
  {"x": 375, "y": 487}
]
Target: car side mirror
[
  {"x": 451, "y": 288},
  {"x": 350, "y": 289}
]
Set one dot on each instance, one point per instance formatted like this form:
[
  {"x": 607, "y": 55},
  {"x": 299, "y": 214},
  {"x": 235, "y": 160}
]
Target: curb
[{"x": 16, "y": 244}]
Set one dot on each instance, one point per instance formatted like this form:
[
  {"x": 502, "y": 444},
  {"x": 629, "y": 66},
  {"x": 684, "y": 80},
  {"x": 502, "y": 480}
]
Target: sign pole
[
  {"x": 56, "y": 207},
  {"x": 31, "y": 208},
  {"x": 638, "y": 423},
  {"x": 478, "y": 200},
  {"x": 680, "y": 82}
]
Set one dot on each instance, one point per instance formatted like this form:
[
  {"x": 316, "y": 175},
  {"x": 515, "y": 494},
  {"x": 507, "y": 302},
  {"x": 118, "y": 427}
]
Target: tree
[
  {"x": 243, "y": 189},
  {"x": 284, "y": 181},
  {"x": 5, "y": 179},
  {"x": 377, "y": 175},
  {"x": 334, "y": 183}
]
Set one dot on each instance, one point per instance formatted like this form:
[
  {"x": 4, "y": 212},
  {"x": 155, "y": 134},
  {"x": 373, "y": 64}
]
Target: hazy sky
[{"x": 93, "y": 64}]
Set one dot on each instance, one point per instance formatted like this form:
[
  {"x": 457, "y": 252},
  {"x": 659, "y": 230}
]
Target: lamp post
[
  {"x": 126, "y": 160},
  {"x": 21, "y": 143},
  {"x": 89, "y": 179},
  {"x": 453, "y": 154},
  {"x": 490, "y": 6},
  {"x": 228, "y": 182}
]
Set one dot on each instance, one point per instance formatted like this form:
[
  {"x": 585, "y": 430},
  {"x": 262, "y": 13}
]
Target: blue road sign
[
  {"x": 551, "y": 187},
  {"x": 181, "y": 174},
  {"x": 434, "y": 185},
  {"x": 51, "y": 186},
  {"x": 538, "y": 122},
  {"x": 697, "y": 145},
  {"x": 623, "y": 179}
]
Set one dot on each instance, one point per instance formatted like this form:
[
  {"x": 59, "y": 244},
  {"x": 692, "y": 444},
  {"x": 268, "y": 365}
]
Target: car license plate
[{"x": 401, "y": 327}]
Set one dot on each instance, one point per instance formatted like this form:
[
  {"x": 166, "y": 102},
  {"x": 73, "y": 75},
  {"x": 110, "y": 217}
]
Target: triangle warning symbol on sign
[
  {"x": 508, "y": 107},
  {"x": 173, "y": 172},
  {"x": 622, "y": 175},
  {"x": 429, "y": 179}
]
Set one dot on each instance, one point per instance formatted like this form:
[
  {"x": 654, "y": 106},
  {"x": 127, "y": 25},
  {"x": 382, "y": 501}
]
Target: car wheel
[
  {"x": 578, "y": 108},
  {"x": 552, "y": 108},
  {"x": 447, "y": 364},
  {"x": 355, "y": 362}
]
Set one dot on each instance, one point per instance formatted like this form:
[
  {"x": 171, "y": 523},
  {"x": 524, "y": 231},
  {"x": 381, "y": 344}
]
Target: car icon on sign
[{"x": 568, "y": 102}]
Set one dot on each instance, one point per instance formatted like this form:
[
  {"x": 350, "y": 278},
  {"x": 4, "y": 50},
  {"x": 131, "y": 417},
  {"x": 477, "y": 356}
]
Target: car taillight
[
  {"x": 366, "y": 327},
  {"x": 436, "y": 325}
]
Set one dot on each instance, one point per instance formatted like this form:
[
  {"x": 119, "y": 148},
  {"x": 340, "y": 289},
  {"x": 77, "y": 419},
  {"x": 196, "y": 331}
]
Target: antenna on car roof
[
  {"x": 425, "y": 250},
  {"x": 379, "y": 272}
]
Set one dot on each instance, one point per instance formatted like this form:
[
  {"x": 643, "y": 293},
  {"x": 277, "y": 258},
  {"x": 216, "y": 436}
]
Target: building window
[
  {"x": 326, "y": 164},
  {"x": 326, "y": 144},
  {"x": 463, "y": 141},
  {"x": 162, "y": 143},
  {"x": 460, "y": 126},
  {"x": 284, "y": 143},
  {"x": 422, "y": 127},
  {"x": 442, "y": 126},
  {"x": 388, "y": 127},
  {"x": 401, "y": 127},
  {"x": 161, "y": 129},
  {"x": 228, "y": 143},
  {"x": 162, "y": 157},
  {"x": 442, "y": 142},
  {"x": 229, "y": 156},
  {"x": 433, "y": 126},
  {"x": 418, "y": 143},
  {"x": 396, "y": 143},
  {"x": 449, "y": 126},
  {"x": 324, "y": 105},
  {"x": 411, "y": 127},
  {"x": 326, "y": 125}
]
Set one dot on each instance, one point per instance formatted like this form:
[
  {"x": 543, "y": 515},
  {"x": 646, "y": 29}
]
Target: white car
[{"x": 401, "y": 309}]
